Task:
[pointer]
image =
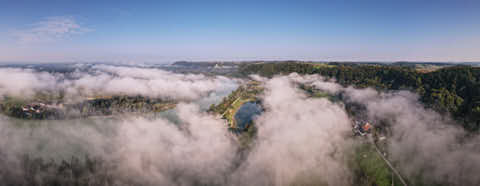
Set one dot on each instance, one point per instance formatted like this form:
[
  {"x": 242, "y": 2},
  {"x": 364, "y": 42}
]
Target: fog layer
[{"x": 299, "y": 140}]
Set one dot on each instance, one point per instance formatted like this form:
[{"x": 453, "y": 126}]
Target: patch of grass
[
  {"x": 322, "y": 65},
  {"x": 370, "y": 168},
  {"x": 320, "y": 94}
]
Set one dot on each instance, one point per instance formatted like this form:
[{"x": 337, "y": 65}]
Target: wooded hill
[{"x": 454, "y": 89}]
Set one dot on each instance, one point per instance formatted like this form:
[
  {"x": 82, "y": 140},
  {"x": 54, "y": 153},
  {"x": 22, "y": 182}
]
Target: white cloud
[
  {"x": 300, "y": 141},
  {"x": 50, "y": 29},
  {"x": 110, "y": 80}
]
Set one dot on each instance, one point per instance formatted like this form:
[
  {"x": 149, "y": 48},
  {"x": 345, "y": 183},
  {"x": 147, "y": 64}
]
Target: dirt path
[{"x": 390, "y": 165}]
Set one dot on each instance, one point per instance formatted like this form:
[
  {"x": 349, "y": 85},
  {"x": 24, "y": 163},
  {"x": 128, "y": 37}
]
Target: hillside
[{"x": 453, "y": 89}]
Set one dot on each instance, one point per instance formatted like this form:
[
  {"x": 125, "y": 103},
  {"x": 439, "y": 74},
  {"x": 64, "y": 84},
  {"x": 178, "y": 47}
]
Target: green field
[{"x": 369, "y": 168}]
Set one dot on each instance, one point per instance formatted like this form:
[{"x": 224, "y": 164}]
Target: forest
[{"x": 451, "y": 90}]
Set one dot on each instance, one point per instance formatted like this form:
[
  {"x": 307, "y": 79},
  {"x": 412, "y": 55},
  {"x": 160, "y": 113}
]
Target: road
[{"x": 389, "y": 164}]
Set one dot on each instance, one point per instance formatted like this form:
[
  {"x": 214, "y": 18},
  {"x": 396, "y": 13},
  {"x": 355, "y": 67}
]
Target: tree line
[{"x": 454, "y": 89}]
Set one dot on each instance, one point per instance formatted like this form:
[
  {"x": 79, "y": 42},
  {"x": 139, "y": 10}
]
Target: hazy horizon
[{"x": 228, "y": 61}]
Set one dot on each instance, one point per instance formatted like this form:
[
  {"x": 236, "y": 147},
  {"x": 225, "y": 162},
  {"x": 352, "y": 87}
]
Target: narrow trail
[
  {"x": 230, "y": 104},
  {"x": 390, "y": 165}
]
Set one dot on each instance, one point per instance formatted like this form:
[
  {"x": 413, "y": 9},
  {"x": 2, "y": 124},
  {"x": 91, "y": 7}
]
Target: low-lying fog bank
[
  {"x": 102, "y": 80},
  {"x": 426, "y": 146},
  {"x": 299, "y": 140}
]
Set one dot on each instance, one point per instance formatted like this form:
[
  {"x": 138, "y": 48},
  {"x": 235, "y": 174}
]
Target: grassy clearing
[
  {"x": 370, "y": 169},
  {"x": 320, "y": 94},
  {"x": 322, "y": 65}
]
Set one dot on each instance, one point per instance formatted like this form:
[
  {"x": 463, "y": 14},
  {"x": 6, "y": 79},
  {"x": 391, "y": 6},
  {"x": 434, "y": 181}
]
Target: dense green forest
[{"x": 454, "y": 89}]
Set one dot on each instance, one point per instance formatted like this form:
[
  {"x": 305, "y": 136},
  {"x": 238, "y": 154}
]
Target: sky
[{"x": 167, "y": 31}]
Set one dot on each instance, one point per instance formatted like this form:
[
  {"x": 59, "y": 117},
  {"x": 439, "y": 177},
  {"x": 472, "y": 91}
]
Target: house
[
  {"x": 361, "y": 128},
  {"x": 366, "y": 127}
]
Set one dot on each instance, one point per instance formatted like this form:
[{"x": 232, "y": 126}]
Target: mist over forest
[
  {"x": 316, "y": 124},
  {"x": 239, "y": 93}
]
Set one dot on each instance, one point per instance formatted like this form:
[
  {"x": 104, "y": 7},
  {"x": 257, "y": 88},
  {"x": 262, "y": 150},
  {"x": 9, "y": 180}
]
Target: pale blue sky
[{"x": 166, "y": 31}]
